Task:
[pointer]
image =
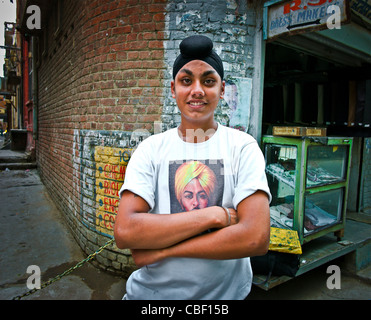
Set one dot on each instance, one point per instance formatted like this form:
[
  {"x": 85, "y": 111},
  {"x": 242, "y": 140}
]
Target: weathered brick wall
[
  {"x": 60, "y": 64},
  {"x": 231, "y": 26},
  {"x": 104, "y": 85},
  {"x": 102, "y": 73}
]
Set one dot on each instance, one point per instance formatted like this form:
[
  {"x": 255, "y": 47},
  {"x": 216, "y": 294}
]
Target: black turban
[{"x": 198, "y": 48}]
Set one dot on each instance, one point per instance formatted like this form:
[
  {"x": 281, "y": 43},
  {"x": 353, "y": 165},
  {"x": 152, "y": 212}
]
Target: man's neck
[{"x": 197, "y": 134}]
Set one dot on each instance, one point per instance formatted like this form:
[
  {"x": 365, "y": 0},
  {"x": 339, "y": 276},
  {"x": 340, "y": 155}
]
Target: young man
[{"x": 193, "y": 211}]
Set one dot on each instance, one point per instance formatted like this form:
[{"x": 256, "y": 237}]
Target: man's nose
[
  {"x": 195, "y": 202},
  {"x": 197, "y": 89}
]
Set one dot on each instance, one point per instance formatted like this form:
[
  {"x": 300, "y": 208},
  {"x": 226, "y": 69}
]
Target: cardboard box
[{"x": 299, "y": 131}]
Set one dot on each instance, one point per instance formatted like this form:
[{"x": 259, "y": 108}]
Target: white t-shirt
[{"x": 236, "y": 166}]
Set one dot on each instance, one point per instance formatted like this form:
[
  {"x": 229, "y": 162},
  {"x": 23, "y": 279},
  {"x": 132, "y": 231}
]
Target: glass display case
[{"x": 308, "y": 179}]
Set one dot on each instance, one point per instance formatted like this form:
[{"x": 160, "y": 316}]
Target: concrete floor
[
  {"x": 312, "y": 286},
  {"x": 33, "y": 232}
]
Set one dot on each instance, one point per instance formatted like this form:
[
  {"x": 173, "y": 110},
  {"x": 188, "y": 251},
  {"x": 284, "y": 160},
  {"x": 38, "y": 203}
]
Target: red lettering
[
  {"x": 292, "y": 6},
  {"x": 122, "y": 171},
  {"x": 111, "y": 188},
  {"x": 113, "y": 172},
  {"x": 110, "y": 204},
  {"x": 107, "y": 171},
  {"x": 113, "y": 202},
  {"x": 319, "y": 3},
  {"x": 108, "y": 220}
]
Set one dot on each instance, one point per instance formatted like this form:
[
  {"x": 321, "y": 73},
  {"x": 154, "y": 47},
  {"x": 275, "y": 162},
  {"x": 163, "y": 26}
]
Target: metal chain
[{"x": 65, "y": 273}]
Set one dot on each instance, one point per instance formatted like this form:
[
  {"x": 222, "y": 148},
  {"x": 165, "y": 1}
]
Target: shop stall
[
  {"x": 308, "y": 178},
  {"x": 316, "y": 124}
]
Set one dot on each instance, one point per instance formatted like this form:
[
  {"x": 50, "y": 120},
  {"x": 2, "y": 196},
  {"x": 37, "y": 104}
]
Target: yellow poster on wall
[{"x": 110, "y": 171}]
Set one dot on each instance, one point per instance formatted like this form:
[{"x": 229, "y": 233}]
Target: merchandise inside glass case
[
  {"x": 326, "y": 164},
  {"x": 281, "y": 161},
  {"x": 281, "y": 171},
  {"x": 307, "y": 182},
  {"x": 322, "y": 209}
]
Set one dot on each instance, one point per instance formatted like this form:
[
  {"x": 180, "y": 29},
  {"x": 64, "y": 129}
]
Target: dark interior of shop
[{"x": 301, "y": 89}]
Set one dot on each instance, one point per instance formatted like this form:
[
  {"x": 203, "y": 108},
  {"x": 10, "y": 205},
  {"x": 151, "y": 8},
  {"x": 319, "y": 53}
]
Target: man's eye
[
  {"x": 186, "y": 81},
  {"x": 209, "y": 82},
  {"x": 202, "y": 196}
]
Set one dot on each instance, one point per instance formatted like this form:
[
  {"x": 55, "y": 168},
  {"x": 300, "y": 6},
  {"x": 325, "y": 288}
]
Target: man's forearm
[
  {"x": 229, "y": 243},
  {"x": 248, "y": 237},
  {"x": 155, "y": 231},
  {"x": 226, "y": 243}
]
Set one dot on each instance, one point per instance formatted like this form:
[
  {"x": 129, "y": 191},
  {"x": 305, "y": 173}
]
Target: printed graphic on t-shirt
[{"x": 195, "y": 184}]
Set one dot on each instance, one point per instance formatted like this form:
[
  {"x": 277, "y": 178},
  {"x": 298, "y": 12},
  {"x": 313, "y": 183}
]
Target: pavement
[{"x": 33, "y": 233}]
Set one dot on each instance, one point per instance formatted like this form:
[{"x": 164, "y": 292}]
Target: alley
[
  {"x": 33, "y": 232},
  {"x": 83, "y": 83}
]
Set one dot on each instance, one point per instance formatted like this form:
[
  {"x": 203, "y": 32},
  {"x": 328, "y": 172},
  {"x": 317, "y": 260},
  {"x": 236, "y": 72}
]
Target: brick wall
[
  {"x": 104, "y": 86},
  {"x": 231, "y": 26},
  {"x": 102, "y": 72}
]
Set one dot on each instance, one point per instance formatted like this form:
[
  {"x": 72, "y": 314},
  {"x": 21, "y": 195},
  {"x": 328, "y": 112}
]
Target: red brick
[
  {"x": 156, "y": 8},
  {"x": 155, "y": 44},
  {"x": 159, "y": 17},
  {"x": 105, "y": 74}
]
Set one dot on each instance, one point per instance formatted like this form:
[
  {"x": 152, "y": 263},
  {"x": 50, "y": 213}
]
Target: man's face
[
  {"x": 197, "y": 89},
  {"x": 194, "y": 196}
]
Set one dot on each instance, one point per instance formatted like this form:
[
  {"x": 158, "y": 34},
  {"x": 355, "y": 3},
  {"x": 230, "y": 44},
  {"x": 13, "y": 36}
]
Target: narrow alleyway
[{"x": 33, "y": 232}]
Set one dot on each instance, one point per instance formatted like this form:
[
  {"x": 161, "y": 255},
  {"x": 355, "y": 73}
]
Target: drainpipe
[{"x": 35, "y": 88}]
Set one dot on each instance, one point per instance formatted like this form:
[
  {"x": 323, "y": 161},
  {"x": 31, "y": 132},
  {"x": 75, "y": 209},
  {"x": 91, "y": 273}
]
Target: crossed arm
[{"x": 153, "y": 237}]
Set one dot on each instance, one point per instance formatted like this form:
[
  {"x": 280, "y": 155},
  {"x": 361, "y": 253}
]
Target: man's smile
[{"x": 196, "y": 104}]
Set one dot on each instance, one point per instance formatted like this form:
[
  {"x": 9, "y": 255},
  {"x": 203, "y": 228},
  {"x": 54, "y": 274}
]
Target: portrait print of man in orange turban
[{"x": 195, "y": 186}]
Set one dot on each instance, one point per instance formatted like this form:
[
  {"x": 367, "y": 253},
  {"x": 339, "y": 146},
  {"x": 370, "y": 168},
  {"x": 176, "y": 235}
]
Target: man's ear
[
  {"x": 222, "y": 90},
  {"x": 173, "y": 89}
]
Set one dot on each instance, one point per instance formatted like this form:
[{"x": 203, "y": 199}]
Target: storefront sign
[{"x": 300, "y": 15}]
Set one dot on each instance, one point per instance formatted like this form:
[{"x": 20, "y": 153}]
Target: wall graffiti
[
  {"x": 100, "y": 161},
  {"x": 110, "y": 173},
  {"x": 238, "y": 98}
]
